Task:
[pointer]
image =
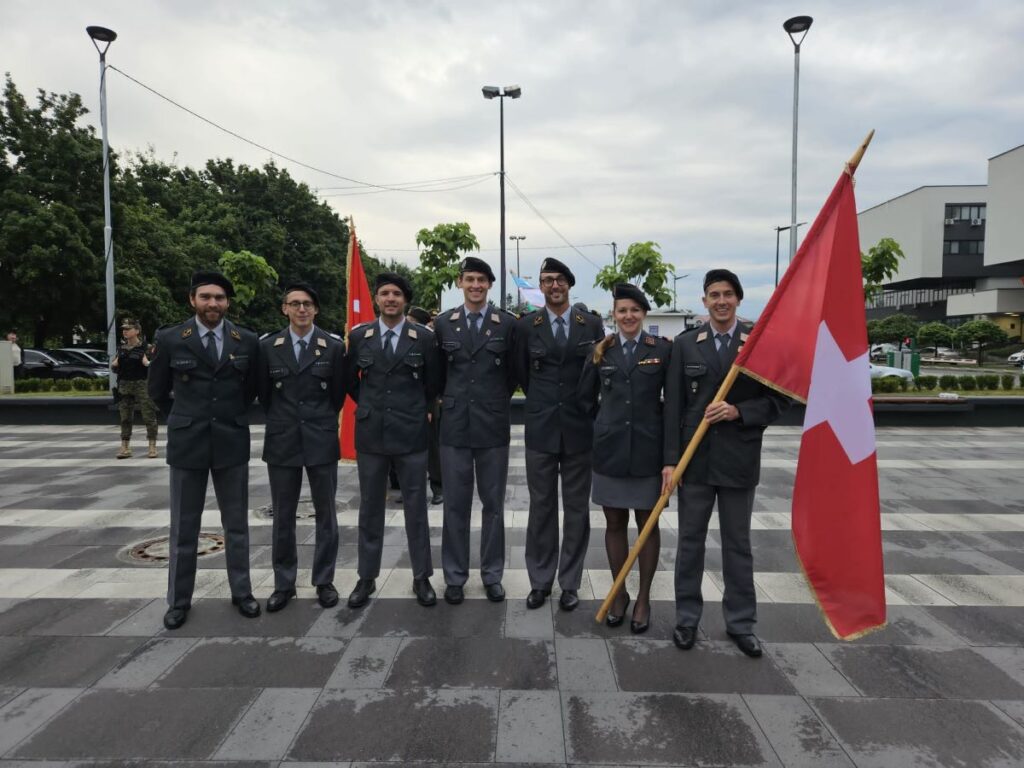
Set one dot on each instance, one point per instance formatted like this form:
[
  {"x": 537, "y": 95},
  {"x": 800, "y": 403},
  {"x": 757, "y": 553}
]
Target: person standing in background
[
  {"x": 130, "y": 363},
  {"x": 15, "y": 354}
]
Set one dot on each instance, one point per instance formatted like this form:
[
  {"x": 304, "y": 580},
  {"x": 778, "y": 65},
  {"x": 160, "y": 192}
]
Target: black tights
[{"x": 616, "y": 542}]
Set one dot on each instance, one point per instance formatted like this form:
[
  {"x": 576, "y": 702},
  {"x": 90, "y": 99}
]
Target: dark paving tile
[
  {"x": 60, "y": 662},
  {"x": 647, "y": 665},
  {"x": 67, "y": 617},
  {"x": 929, "y": 562},
  {"x": 217, "y": 617},
  {"x": 1012, "y": 557},
  {"x": 581, "y": 624},
  {"x": 920, "y": 672},
  {"x": 983, "y": 625},
  {"x": 673, "y": 729},
  {"x": 957, "y": 734},
  {"x": 236, "y": 662},
  {"x": 163, "y": 724},
  {"x": 473, "y": 663},
  {"x": 401, "y": 726},
  {"x": 406, "y": 618},
  {"x": 99, "y": 536},
  {"x": 961, "y": 506},
  {"x": 96, "y": 557},
  {"x": 20, "y": 556}
]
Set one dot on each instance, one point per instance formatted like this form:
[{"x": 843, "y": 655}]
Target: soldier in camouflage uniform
[{"x": 130, "y": 364}]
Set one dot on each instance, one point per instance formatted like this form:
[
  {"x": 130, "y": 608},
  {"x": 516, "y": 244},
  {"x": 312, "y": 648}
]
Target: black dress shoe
[
  {"x": 437, "y": 498},
  {"x": 536, "y": 598},
  {"x": 247, "y": 606},
  {"x": 684, "y": 637},
  {"x": 326, "y": 595},
  {"x": 612, "y": 620},
  {"x": 425, "y": 594},
  {"x": 495, "y": 592},
  {"x": 569, "y": 600},
  {"x": 453, "y": 594},
  {"x": 279, "y": 599},
  {"x": 175, "y": 617},
  {"x": 749, "y": 644},
  {"x": 361, "y": 594}
]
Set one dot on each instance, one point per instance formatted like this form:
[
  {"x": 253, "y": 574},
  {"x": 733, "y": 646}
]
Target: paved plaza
[{"x": 88, "y": 675}]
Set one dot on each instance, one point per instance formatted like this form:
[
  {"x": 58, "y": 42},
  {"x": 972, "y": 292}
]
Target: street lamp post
[
  {"x": 512, "y": 92},
  {"x": 107, "y": 36},
  {"x": 615, "y": 254},
  {"x": 798, "y": 25},
  {"x": 777, "y": 231},
  {"x": 517, "y": 238},
  {"x": 675, "y": 280}
]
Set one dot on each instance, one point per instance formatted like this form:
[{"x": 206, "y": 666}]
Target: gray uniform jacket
[
  {"x": 206, "y": 406},
  {"x": 549, "y": 375},
  {"x": 730, "y": 453},
  {"x": 301, "y": 399},
  {"x": 392, "y": 398},
  {"x": 477, "y": 378},
  {"x": 626, "y": 403}
]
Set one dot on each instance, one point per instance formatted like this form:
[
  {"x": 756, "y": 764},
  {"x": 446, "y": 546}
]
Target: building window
[
  {"x": 968, "y": 247},
  {"x": 966, "y": 212}
]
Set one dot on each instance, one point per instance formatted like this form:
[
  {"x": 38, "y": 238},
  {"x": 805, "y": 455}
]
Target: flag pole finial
[{"x": 854, "y": 161}]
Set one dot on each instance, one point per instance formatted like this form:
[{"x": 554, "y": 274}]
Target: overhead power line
[
  {"x": 544, "y": 218},
  {"x": 275, "y": 153},
  {"x": 479, "y": 179}
]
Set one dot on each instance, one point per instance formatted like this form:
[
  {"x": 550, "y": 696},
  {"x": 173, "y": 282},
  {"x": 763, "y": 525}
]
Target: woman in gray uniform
[{"x": 621, "y": 386}]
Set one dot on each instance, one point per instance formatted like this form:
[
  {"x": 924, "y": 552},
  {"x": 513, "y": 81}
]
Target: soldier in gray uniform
[
  {"x": 551, "y": 346},
  {"x": 302, "y": 388},
  {"x": 725, "y": 467},
  {"x": 475, "y": 346},
  {"x": 391, "y": 371},
  {"x": 202, "y": 375}
]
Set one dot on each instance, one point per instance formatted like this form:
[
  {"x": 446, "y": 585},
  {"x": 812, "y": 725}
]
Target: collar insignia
[
  {"x": 236, "y": 335},
  {"x": 538, "y": 320},
  {"x": 649, "y": 341},
  {"x": 744, "y": 337},
  {"x": 279, "y": 341},
  {"x": 321, "y": 341},
  {"x": 702, "y": 336},
  {"x": 579, "y": 319},
  {"x": 187, "y": 332},
  {"x": 495, "y": 318},
  {"x": 413, "y": 334},
  {"x": 454, "y": 315},
  {"x": 369, "y": 333}
]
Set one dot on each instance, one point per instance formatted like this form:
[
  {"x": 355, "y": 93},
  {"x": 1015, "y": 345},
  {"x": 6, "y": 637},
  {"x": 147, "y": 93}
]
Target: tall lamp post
[
  {"x": 512, "y": 92},
  {"x": 517, "y": 238},
  {"x": 106, "y": 36},
  {"x": 675, "y": 280},
  {"x": 798, "y": 25},
  {"x": 777, "y": 231}
]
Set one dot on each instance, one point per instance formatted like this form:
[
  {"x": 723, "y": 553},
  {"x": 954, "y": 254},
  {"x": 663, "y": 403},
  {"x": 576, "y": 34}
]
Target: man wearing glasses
[
  {"x": 301, "y": 388},
  {"x": 550, "y": 349}
]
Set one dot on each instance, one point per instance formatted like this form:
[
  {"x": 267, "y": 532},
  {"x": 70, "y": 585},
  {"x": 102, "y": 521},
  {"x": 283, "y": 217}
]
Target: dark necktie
[
  {"x": 211, "y": 348},
  {"x": 301, "y": 352},
  {"x": 474, "y": 326},
  {"x": 630, "y": 353},
  {"x": 723, "y": 347},
  {"x": 389, "y": 351},
  {"x": 560, "y": 338}
]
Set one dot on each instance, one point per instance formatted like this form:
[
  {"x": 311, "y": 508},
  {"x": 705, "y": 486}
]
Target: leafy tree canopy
[
  {"x": 892, "y": 329},
  {"x": 443, "y": 247},
  {"x": 934, "y": 335},
  {"x": 879, "y": 264},
  {"x": 643, "y": 265}
]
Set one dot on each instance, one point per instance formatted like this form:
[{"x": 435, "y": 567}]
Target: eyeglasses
[
  {"x": 300, "y": 304},
  {"x": 547, "y": 282}
]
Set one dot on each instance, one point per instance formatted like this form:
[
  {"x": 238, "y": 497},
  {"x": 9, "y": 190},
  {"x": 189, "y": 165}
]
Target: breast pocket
[
  {"x": 538, "y": 352},
  {"x": 497, "y": 348},
  {"x": 449, "y": 348},
  {"x": 183, "y": 367},
  {"x": 240, "y": 363}
]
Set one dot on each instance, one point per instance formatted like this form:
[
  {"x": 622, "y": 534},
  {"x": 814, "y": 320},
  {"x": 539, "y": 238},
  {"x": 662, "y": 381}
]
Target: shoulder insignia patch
[
  {"x": 413, "y": 334},
  {"x": 321, "y": 341},
  {"x": 538, "y": 320},
  {"x": 702, "y": 336},
  {"x": 744, "y": 337},
  {"x": 650, "y": 341},
  {"x": 369, "y": 333},
  {"x": 236, "y": 335},
  {"x": 279, "y": 341},
  {"x": 187, "y": 332}
]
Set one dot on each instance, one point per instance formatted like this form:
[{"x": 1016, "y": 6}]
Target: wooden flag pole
[
  {"x": 677, "y": 475},
  {"x": 854, "y": 161}
]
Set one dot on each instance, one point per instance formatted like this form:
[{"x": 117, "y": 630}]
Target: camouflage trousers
[{"x": 134, "y": 395}]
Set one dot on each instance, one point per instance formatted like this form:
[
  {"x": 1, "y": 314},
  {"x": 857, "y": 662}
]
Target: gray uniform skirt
[{"x": 626, "y": 492}]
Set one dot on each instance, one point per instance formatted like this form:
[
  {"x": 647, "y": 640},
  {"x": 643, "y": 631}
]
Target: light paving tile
[
  {"x": 269, "y": 726},
  {"x": 365, "y": 663},
  {"x": 584, "y": 665},
  {"x": 31, "y": 710},
  {"x": 977, "y": 589},
  {"x": 808, "y": 670},
  {"x": 901, "y": 589},
  {"x": 145, "y": 664},
  {"x": 530, "y": 727},
  {"x": 784, "y": 587}
]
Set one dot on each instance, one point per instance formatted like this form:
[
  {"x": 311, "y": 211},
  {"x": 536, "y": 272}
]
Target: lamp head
[
  {"x": 491, "y": 91},
  {"x": 796, "y": 26},
  {"x": 513, "y": 91},
  {"x": 102, "y": 34}
]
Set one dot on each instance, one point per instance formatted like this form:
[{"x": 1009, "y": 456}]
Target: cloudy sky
[{"x": 642, "y": 120}]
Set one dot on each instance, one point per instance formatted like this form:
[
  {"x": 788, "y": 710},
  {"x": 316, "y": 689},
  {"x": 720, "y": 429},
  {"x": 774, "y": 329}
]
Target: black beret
[
  {"x": 393, "y": 278},
  {"x": 473, "y": 264},
  {"x": 305, "y": 288},
  {"x": 203, "y": 277},
  {"x": 419, "y": 314},
  {"x": 723, "y": 276},
  {"x": 630, "y": 291},
  {"x": 554, "y": 265}
]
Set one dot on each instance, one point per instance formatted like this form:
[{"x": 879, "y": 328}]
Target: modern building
[{"x": 963, "y": 248}]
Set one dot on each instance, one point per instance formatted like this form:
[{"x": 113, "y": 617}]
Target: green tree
[
  {"x": 255, "y": 282},
  {"x": 893, "y": 329},
  {"x": 934, "y": 335},
  {"x": 879, "y": 264},
  {"x": 984, "y": 333},
  {"x": 643, "y": 265},
  {"x": 439, "y": 260}
]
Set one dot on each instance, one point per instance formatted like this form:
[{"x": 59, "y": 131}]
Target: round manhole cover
[
  {"x": 158, "y": 551},
  {"x": 304, "y": 511}
]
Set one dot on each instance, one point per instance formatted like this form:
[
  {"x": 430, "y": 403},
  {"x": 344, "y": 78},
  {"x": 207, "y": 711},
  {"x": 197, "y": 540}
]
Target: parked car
[
  {"x": 55, "y": 364},
  {"x": 1016, "y": 357},
  {"x": 879, "y": 351},
  {"x": 88, "y": 355},
  {"x": 939, "y": 352},
  {"x": 881, "y": 371}
]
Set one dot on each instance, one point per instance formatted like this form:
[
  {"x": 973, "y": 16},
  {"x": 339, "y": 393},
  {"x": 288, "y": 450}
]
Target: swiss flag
[
  {"x": 360, "y": 310},
  {"x": 811, "y": 343}
]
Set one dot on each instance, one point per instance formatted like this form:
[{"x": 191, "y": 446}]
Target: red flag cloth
[
  {"x": 811, "y": 343},
  {"x": 360, "y": 310}
]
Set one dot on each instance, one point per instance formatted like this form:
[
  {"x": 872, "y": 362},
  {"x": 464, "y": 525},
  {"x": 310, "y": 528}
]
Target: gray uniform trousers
[
  {"x": 285, "y": 485},
  {"x": 373, "y": 480},
  {"x": 457, "y": 465},
  {"x": 542, "y": 552},
  {"x": 739, "y": 603},
  {"x": 188, "y": 497}
]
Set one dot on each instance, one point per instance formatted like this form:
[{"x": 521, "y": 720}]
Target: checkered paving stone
[{"x": 88, "y": 675}]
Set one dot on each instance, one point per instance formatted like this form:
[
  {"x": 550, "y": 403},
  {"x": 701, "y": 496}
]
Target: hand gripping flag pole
[{"x": 811, "y": 344}]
